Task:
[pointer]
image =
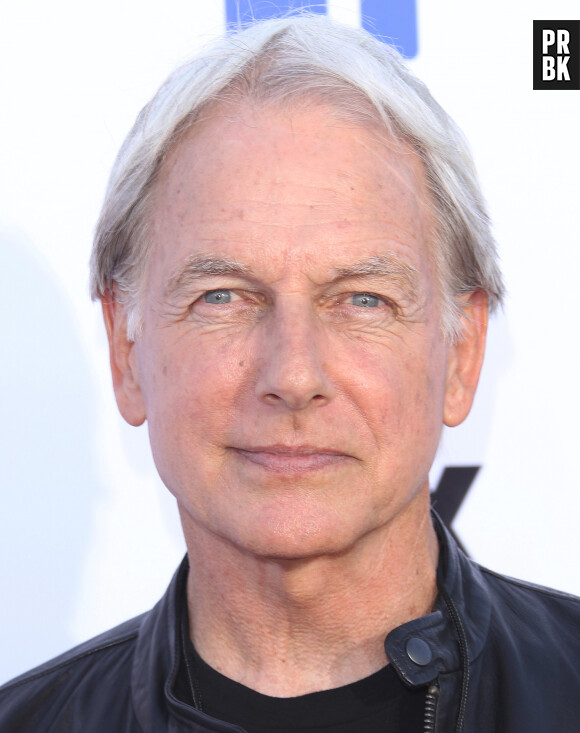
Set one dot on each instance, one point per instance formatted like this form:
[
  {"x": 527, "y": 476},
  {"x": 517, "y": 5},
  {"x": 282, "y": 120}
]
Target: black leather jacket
[{"x": 496, "y": 655}]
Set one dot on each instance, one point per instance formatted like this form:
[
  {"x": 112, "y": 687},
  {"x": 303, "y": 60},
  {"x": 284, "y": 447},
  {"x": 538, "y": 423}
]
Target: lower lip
[{"x": 291, "y": 463}]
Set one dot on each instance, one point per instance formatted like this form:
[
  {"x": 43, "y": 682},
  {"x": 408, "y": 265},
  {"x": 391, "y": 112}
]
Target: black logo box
[{"x": 573, "y": 63}]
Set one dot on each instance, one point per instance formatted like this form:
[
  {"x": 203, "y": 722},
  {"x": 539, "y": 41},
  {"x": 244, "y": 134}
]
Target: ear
[
  {"x": 466, "y": 358},
  {"x": 123, "y": 362}
]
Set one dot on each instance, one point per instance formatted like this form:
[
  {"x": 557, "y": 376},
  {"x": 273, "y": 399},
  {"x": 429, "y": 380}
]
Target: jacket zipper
[
  {"x": 431, "y": 700},
  {"x": 464, "y": 654}
]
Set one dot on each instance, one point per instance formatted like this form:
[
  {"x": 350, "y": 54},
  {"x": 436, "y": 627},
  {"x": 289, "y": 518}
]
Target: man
[{"x": 296, "y": 268}]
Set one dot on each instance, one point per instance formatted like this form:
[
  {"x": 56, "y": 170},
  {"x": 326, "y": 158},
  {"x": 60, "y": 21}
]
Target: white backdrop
[{"x": 88, "y": 535}]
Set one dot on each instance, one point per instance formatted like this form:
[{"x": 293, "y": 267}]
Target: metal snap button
[{"x": 419, "y": 651}]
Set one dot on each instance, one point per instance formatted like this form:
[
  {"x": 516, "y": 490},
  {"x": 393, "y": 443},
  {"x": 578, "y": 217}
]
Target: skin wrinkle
[{"x": 374, "y": 330}]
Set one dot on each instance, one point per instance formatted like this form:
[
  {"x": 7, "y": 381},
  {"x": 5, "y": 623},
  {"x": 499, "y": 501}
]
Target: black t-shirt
[{"x": 380, "y": 703}]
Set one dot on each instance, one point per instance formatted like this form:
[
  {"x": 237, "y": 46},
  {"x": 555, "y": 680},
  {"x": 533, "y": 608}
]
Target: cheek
[
  {"x": 399, "y": 391},
  {"x": 190, "y": 398}
]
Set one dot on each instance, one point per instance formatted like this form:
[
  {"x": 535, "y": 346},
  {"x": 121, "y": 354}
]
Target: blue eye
[
  {"x": 216, "y": 297},
  {"x": 365, "y": 300}
]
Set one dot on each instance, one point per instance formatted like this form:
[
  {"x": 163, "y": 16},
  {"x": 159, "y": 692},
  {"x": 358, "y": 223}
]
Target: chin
[
  {"x": 287, "y": 548},
  {"x": 297, "y": 536}
]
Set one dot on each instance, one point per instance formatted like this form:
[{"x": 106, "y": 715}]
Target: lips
[{"x": 292, "y": 459}]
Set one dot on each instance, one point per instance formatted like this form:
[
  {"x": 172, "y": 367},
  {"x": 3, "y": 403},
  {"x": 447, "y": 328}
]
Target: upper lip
[{"x": 291, "y": 450}]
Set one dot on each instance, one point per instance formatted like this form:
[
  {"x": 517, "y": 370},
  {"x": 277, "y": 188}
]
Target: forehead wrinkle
[
  {"x": 346, "y": 224},
  {"x": 322, "y": 195},
  {"x": 195, "y": 267}
]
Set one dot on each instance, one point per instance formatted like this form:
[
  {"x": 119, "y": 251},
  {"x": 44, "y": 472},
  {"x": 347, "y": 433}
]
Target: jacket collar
[
  {"x": 424, "y": 648},
  {"x": 420, "y": 650},
  {"x": 155, "y": 667}
]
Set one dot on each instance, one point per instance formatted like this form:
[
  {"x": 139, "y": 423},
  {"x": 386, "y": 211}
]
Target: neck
[{"x": 289, "y": 627}]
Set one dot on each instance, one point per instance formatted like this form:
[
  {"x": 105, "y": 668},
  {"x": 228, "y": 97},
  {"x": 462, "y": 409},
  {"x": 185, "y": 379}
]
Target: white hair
[{"x": 283, "y": 62}]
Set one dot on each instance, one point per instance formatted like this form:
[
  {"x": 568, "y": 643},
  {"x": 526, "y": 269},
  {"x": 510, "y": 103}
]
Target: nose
[{"x": 292, "y": 371}]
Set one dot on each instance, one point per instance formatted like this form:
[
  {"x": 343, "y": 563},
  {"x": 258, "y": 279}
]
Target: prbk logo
[{"x": 556, "y": 54}]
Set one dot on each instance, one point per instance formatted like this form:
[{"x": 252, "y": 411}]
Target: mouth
[{"x": 288, "y": 460}]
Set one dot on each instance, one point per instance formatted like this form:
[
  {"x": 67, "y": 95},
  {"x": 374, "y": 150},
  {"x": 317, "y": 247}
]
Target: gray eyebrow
[
  {"x": 198, "y": 266},
  {"x": 390, "y": 265}
]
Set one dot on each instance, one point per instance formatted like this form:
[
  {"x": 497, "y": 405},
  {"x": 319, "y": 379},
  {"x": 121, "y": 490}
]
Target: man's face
[{"x": 291, "y": 368}]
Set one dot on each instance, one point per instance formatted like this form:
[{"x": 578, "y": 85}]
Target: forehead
[{"x": 301, "y": 187}]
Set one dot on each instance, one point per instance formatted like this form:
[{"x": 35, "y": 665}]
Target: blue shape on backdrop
[
  {"x": 391, "y": 20},
  {"x": 243, "y": 11},
  {"x": 395, "y": 20}
]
